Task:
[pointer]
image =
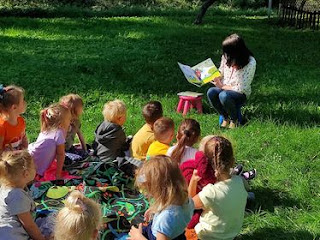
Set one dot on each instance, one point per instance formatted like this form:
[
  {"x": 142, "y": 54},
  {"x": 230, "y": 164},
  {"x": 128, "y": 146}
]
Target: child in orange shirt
[{"x": 12, "y": 125}]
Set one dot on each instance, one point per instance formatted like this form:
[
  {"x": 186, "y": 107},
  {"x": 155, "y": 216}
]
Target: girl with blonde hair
[
  {"x": 80, "y": 219},
  {"x": 160, "y": 178},
  {"x": 50, "y": 144},
  {"x": 75, "y": 104},
  {"x": 16, "y": 205}
]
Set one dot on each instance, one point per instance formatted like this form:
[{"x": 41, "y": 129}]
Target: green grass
[{"x": 135, "y": 59}]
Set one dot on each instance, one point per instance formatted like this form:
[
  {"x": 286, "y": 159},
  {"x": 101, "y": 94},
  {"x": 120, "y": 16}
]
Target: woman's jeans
[{"x": 225, "y": 102}]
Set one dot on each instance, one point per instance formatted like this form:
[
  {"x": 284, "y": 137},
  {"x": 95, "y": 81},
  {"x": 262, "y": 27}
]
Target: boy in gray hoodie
[{"x": 110, "y": 139}]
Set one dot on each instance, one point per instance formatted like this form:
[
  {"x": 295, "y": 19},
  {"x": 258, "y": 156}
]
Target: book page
[
  {"x": 206, "y": 71},
  {"x": 190, "y": 75}
]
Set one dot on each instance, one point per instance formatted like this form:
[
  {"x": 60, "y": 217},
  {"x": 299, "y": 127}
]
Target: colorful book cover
[{"x": 201, "y": 73}]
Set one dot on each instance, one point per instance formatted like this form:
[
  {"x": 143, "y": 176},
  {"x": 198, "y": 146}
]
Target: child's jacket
[{"x": 110, "y": 141}]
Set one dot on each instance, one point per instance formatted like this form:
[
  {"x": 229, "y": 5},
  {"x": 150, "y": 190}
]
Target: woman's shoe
[
  {"x": 232, "y": 125},
  {"x": 224, "y": 123}
]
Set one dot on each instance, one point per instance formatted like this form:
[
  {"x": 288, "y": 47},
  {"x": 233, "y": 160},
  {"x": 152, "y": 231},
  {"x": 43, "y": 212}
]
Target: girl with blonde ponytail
[
  {"x": 80, "y": 219},
  {"x": 16, "y": 205}
]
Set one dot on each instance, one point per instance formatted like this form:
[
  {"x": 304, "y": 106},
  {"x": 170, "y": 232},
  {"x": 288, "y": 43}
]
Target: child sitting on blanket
[
  {"x": 17, "y": 169},
  {"x": 141, "y": 141},
  {"x": 110, "y": 139},
  {"x": 223, "y": 202},
  {"x": 12, "y": 125},
  {"x": 50, "y": 144},
  {"x": 75, "y": 105},
  {"x": 171, "y": 209},
  {"x": 163, "y": 130},
  {"x": 80, "y": 219},
  {"x": 188, "y": 134}
]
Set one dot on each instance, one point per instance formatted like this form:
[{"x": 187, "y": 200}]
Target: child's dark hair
[
  {"x": 219, "y": 150},
  {"x": 161, "y": 127},
  {"x": 10, "y": 95},
  {"x": 152, "y": 111},
  {"x": 236, "y": 51},
  {"x": 187, "y": 135}
]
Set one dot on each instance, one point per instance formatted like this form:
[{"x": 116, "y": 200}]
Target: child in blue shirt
[{"x": 171, "y": 209}]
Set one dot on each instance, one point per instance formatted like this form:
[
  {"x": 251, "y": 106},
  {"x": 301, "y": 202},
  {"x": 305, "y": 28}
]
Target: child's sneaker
[
  {"x": 237, "y": 170},
  {"x": 249, "y": 175}
]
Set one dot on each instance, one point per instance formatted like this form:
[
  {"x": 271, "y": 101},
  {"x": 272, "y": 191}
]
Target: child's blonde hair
[
  {"x": 9, "y": 96},
  {"x": 161, "y": 179},
  {"x": 204, "y": 141},
  {"x": 72, "y": 101},
  {"x": 162, "y": 127},
  {"x": 12, "y": 165},
  {"x": 79, "y": 218},
  {"x": 219, "y": 151},
  {"x": 187, "y": 135},
  {"x": 113, "y": 110},
  {"x": 53, "y": 116}
]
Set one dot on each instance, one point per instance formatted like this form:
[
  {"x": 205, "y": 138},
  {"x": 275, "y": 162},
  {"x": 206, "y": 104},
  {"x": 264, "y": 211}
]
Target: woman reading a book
[{"x": 233, "y": 88}]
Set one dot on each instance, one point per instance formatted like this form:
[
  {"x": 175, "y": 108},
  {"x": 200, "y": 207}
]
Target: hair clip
[
  {"x": 81, "y": 204},
  {"x": 2, "y": 91},
  {"x": 48, "y": 115},
  {"x": 141, "y": 178}
]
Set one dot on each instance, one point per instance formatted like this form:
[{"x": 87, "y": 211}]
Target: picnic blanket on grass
[{"x": 110, "y": 185}]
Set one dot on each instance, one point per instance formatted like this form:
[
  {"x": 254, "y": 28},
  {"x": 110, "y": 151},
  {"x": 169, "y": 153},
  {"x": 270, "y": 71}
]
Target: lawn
[{"x": 135, "y": 59}]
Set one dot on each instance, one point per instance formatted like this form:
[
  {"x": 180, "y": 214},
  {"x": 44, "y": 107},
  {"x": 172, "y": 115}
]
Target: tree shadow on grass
[
  {"x": 279, "y": 234},
  {"x": 267, "y": 199}
]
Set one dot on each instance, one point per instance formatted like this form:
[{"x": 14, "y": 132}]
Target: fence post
[{"x": 269, "y": 8}]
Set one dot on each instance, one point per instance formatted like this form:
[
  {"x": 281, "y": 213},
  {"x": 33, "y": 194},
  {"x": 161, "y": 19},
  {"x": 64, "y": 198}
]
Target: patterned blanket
[{"x": 108, "y": 183}]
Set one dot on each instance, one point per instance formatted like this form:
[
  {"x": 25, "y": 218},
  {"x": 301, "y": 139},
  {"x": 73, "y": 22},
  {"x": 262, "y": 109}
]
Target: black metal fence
[{"x": 299, "y": 18}]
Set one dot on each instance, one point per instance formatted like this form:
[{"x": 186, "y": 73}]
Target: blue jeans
[{"x": 225, "y": 102}]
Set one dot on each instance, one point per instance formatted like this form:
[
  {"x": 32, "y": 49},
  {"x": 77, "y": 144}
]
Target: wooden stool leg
[
  {"x": 180, "y": 105},
  {"x": 186, "y": 107},
  {"x": 199, "y": 105}
]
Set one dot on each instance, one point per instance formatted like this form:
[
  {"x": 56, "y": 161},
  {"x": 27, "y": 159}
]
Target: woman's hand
[
  {"x": 217, "y": 82},
  {"x": 136, "y": 233}
]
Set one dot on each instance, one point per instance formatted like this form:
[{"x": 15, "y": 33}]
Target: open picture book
[{"x": 201, "y": 73}]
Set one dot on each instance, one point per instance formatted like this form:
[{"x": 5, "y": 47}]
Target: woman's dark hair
[
  {"x": 235, "y": 51},
  {"x": 188, "y": 134}
]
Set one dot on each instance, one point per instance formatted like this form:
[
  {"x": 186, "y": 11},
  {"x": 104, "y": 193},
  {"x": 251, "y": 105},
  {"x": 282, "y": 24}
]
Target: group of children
[{"x": 186, "y": 187}]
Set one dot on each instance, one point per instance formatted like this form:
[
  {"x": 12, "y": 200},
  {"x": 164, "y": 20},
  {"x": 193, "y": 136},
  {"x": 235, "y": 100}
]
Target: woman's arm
[
  {"x": 60, "y": 155},
  {"x": 30, "y": 226}
]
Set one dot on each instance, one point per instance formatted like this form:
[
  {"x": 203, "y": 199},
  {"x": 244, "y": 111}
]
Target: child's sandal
[{"x": 250, "y": 174}]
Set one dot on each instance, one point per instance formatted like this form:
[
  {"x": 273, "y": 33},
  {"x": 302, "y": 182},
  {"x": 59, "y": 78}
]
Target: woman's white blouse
[{"x": 240, "y": 80}]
